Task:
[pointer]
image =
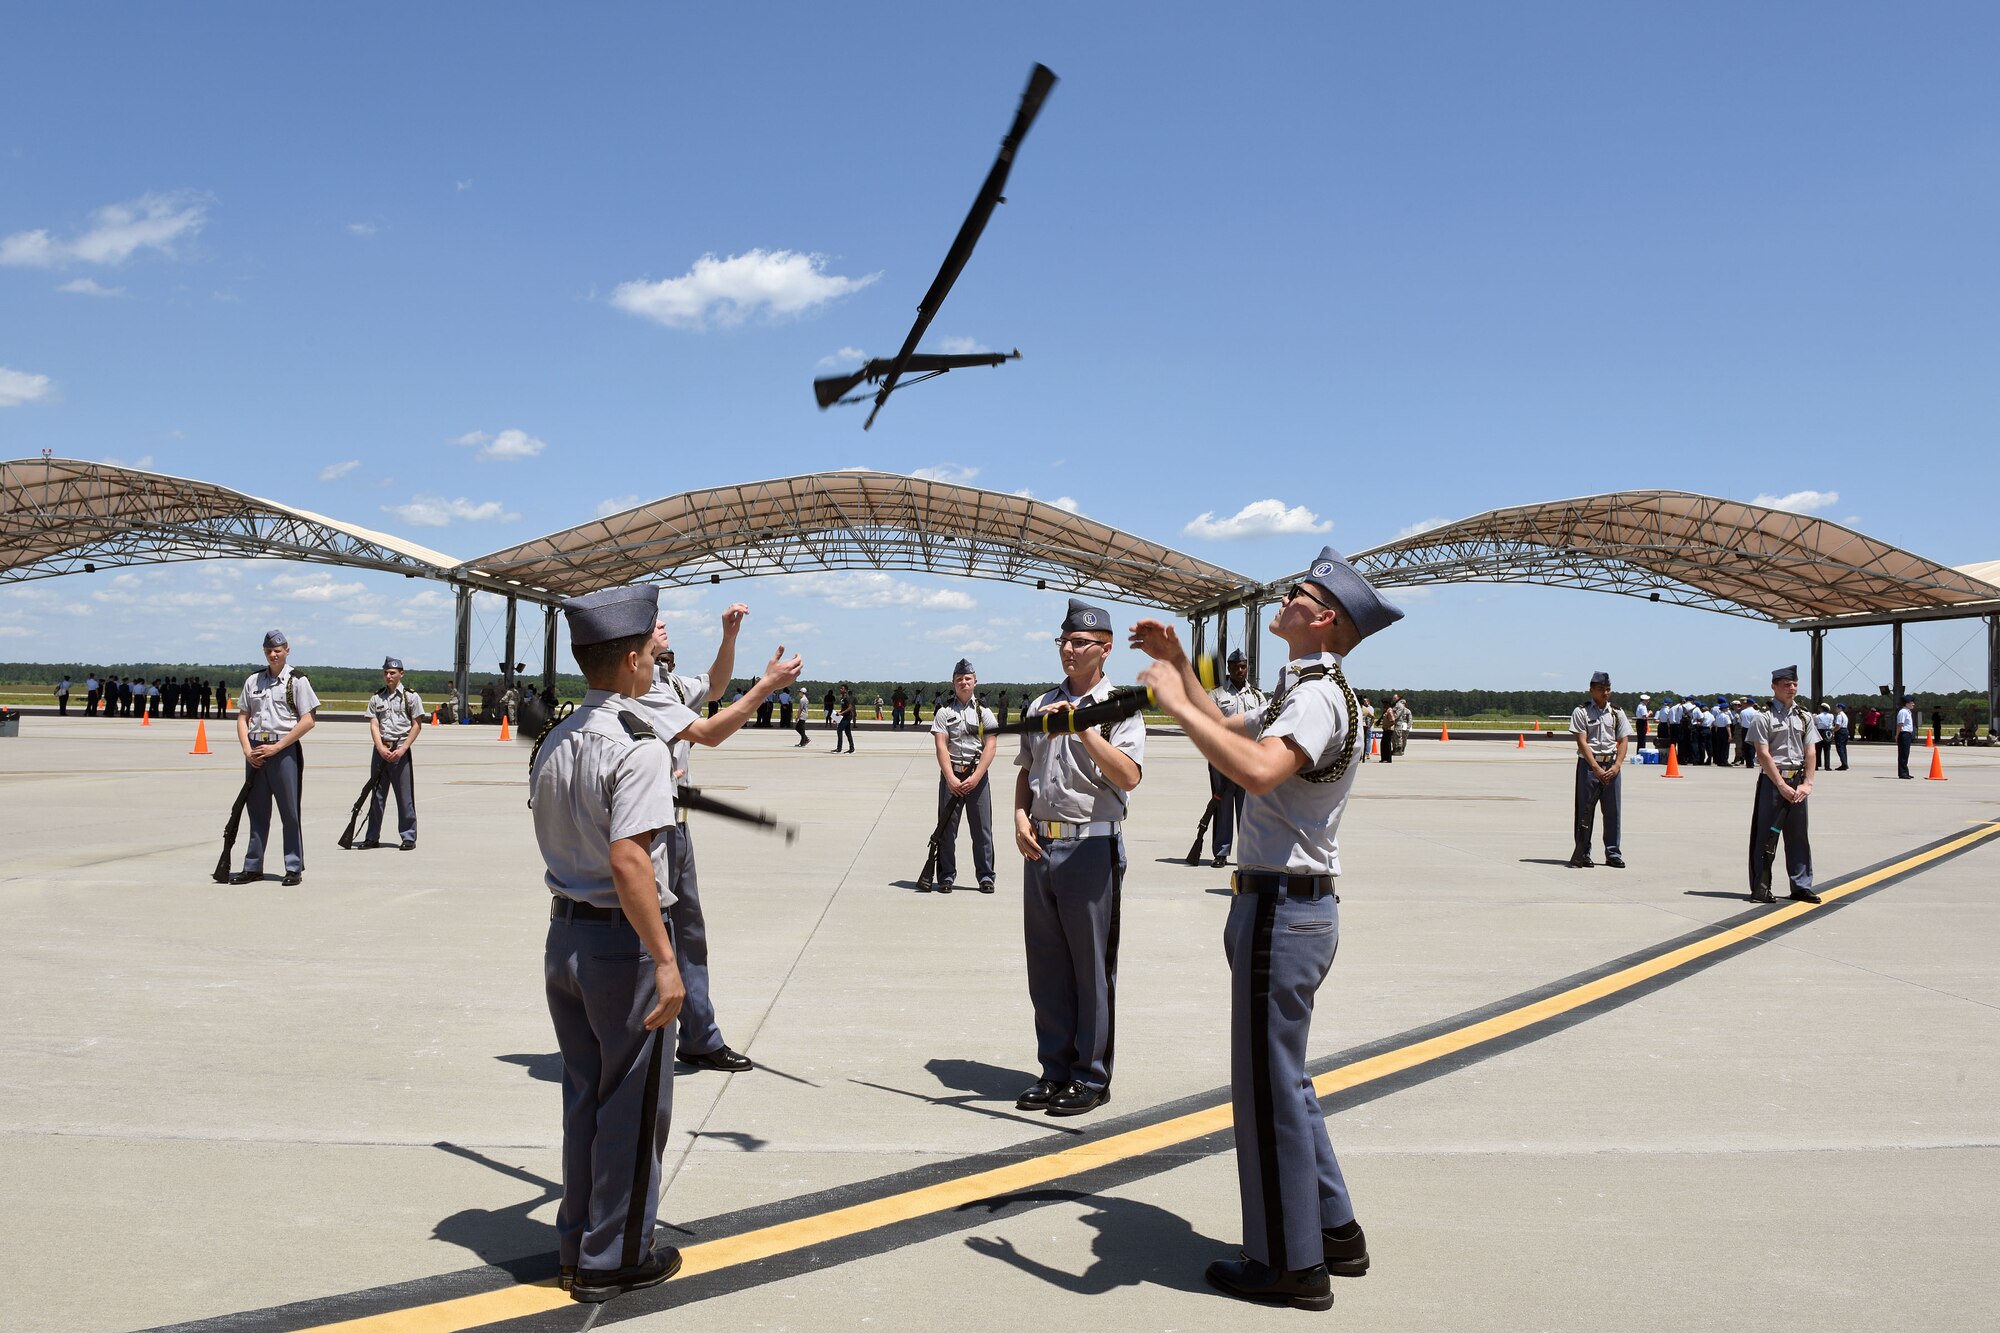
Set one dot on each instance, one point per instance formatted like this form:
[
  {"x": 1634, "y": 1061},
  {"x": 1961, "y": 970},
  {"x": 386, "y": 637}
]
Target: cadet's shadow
[
  {"x": 1136, "y": 1243},
  {"x": 506, "y": 1238},
  {"x": 1713, "y": 893},
  {"x": 543, "y": 1068},
  {"x": 979, "y": 1078},
  {"x": 1199, "y": 863},
  {"x": 1545, "y": 860}
]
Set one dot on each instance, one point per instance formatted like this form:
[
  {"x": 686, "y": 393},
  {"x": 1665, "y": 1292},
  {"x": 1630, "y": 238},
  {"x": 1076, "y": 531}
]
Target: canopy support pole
[
  {"x": 513, "y": 616},
  {"x": 461, "y": 652},
  {"x": 1818, "y": 666},
  {"x": 549, "y": 648},
  {"x": 1896, "y": 662}
]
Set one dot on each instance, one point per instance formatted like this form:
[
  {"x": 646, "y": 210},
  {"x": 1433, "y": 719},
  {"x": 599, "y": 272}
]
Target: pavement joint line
[{"x": 1453, "y": 1043}]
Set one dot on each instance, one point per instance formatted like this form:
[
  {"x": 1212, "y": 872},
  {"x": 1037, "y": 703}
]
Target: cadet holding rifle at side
[
  {"x": 395, "y": 716},
  {"x": 1602, "y": 733},
  {"x": 1295, "y": 761},
  {"x": 963, "y": 731},
  {"x": 275, "y": 709},
  {"x": 1785, "y": 736}
]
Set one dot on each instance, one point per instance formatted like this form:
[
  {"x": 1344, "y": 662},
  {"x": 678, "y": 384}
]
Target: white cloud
[
  {"x": 18, "y": 386},
  {"x": 856, "y": 590},
  {"x": 142, "y": 462},
  {"x": 504, "y": 447},
  {"x": 434, "y": 511},
  {"x": 846, "y": 356},
  {"x": 363, "y": 229},
  {"x": 962, "y": 346},
  {"x": 950, "y": 472},
  {"x": 1421, "y": 525},
  {"x": 1060, "y": 502},
  {"x": 89, "y": 287},
  {"x": 726, "y": 292},
  {"x": 335, "y": 471},
  {"x": 617, "y": 504},
  {"x": 15, "y": 632},
  {"x": 318, "y": 586},
  {"x": 1259, "y": 518},
  {"x": 150, "y": 222},
  {"x": 462, "y": 185},
  {"x": 428, "y": 599},
  {"x": 1800, "y": 502}
]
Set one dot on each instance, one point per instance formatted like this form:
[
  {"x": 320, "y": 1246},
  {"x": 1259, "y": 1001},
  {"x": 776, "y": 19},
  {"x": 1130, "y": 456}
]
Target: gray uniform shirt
[
  {"x": 1295, "y": 828},
  {"x": 1787, "y": 735},
  {"x": 263, "y": 698},
  {"x": 1235, "y": 703},
  {"x": 1601, "y": 728},
  {"x": 963, "y": 726},
  {"x": 394, "y": 711},
  {"x": 1066, "y": 783},
  {"x": 689, "y": 693},
  {"x": 593, "y": 784}
]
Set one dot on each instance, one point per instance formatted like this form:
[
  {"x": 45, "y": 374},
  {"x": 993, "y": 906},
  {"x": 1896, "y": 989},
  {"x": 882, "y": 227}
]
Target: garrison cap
[
  {"x": 392, "y": 664},
  {"x": 1236, "y": 655},
  {"x": 1790, "y": 673},
  {"x": 1601, "y": 678},
  {"x": 1909, "y": 698},
  {"x": 612, "y": 613},
  {"x": 964, "y": 668},
  {"x": 1082, "y": 615},
  {"x": 1364, "y": 606},
  {"x": 275, "y": 638}
]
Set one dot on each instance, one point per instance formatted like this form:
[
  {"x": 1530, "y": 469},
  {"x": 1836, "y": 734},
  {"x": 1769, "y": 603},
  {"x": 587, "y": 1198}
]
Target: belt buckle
[
  {"x": 1054, "y": 830},
  {"x": 1235, "y": 883}
]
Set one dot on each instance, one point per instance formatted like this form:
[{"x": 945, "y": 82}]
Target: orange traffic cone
[
  {"x": 434, "y": 717},
  {"x": 505, "y": 734},
  {"x": 201, "y": 739},
  {"x": 1375, "y": 747},
  {"x": 1937, "y": 765},
  {"x": 1673, "y": 761},
  {"x": 1930, "y": 740},
  {"x": 1520, "y": 742},
  {"x": 1444, "y": 732},
  {"x": 146, "y": 718},
  {"x": 1538, "y": 726}
]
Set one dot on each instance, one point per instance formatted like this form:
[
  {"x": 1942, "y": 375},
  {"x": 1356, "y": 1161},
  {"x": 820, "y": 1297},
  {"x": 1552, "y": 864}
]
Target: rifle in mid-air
[
  {"x": 691, "y": 798},
  {"x": 891, "y": 370}
]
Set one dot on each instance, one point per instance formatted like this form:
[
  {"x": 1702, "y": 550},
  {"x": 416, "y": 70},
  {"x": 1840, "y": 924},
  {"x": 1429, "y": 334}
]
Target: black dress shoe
[
  {"x": 368, "y": 844},
  {"x": 1219, "y": 860},
  {"x": 1345, "y": 1257},
  {"x": 721, "y": 1058},
  {"x": 944, "y": 886},
  {"x": 986, "y": 886},
  {"x": 1615, "y": 861},
  {"x": 292, "y": 878},
  {"x": 1804, "y": 896},
  {"x": 1037, "y": 1096},
  {"x": 407, "y": 845},
  {"x": 566, "y": 1277},
  {"x": 1076, "y": 1099},
  {"x": 1762, "y": 898},
  {"x": 246, "y": 877},
  {"x": 1581, "y": 863},
  {"x": 596, "y": 1285},
  {"x": 1302, "y": 1289}
]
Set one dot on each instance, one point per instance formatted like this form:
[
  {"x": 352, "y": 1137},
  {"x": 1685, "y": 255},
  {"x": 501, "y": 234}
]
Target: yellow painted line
[{"x": 467, "y": 1312}]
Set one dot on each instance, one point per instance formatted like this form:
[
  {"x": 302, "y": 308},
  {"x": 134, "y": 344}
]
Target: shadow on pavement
[
  {"x": 979, "y": 1078},
  {"x": 1136, "y": 1243},
  {"x": 506, "y": 1238},
  {"x": 543, "y": 1068}
]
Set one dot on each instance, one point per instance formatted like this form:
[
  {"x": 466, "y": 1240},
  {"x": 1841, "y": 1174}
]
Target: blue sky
[{"x": 439, "y": 270}]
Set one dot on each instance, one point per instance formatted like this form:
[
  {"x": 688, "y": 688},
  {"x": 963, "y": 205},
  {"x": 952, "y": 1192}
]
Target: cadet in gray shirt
[
  {"x": 395, "y": 716},
  {"x": 962, "y": 728},
  {"x": 1296, "y": 763},
  {"x": 1786, "y": 739},
  {"x": 1235, "y": 697},
  {"x": 1601, "y": 731},
  {"x": 1069, "y": 808},
  {"x": 275, "y": 709}
]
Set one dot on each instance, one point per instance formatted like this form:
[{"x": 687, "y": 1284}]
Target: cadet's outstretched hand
[
  {"x": 780, "y": 672},
  {"x": 732, "y": 619},
  {"x": 1157, "y": 640},
  {"x": 1164, "y": 679}
]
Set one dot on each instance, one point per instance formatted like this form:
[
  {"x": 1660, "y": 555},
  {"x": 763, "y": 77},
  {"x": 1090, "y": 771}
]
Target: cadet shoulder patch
[{"x": 636, "y": 727}]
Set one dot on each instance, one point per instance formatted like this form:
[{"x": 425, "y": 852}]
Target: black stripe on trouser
[
  {"x": 1260, "y": 1080},
  {"x": 642, "y": 1153},
  {"x": 1111, "y": 956}
]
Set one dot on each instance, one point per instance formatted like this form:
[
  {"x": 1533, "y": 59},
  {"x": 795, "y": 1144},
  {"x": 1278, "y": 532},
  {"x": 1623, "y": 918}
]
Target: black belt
[
  {"x": 1309, "y": 887},
  {"x": 569, "y": 909}
]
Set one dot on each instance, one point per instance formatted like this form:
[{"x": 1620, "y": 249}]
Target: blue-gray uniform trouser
[
  {"x": 699, "y": 1033},
  {"x": 1069, "y": 914},
  {"x": 281, "y": 779},
  {"x": 1592, "y": 792},
  {"x": 1904, "y": 739},
  {"x": 617, "y": 1091},
  {"x": 1773, "y": 816},
  {"x": 1280, "y": 949},
  {"x": 402, "y": 777},
  {"x": 1228, "y": 799},
  {"x": 978, "y": 807},
  {"x": 1840, "y": 743}
]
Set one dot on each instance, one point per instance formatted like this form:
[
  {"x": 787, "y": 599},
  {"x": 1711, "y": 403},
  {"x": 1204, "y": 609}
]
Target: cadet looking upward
[
  {"x": 1295, "y": 763},
  {"x": 963, "y": 731},
  {"x": 701, "y": 1041},
  {"x": 601, "y": 784},
  {"x": 1069, "y": 806},
  {"x": 275, "y": 709},
  {"x": 395, "y": 716},
  {"x": 1601, "y": 733}
]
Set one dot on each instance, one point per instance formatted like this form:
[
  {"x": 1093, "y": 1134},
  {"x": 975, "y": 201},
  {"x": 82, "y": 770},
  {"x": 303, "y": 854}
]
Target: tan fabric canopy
[
  {"x": 59, "y": 515},
  {"x": 1697, "y": 550},
  {"x": 861, "y": 520}
]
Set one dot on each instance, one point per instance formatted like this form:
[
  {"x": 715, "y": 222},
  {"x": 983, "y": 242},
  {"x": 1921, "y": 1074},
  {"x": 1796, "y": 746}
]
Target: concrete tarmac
[{"x": 339, "y": 1098}]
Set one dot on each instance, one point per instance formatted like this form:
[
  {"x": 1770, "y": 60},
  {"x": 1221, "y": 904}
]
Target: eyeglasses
[
  {"x": 1076, "y": 643},
  {"x": 1300, "y": 590}
]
